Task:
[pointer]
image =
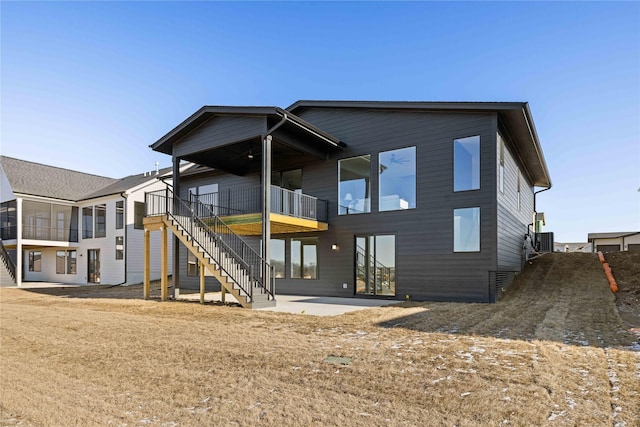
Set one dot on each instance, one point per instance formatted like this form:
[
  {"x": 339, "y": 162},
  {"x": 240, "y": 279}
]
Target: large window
[
  {"x": 66, "y": 262},
  {"x": 466, "y": 163},
  {"x": 466, "y": 230},
  {"x": 277, "y": 257},
  {"x": 501, "y": 165},
  {"x": 354, "y": 185},
  {"x": 304, "y": 258},
  {"x": 35, "y": 261},
  {"x": 119, "y": 247},
  {"x": 397, "y": 173},
  {"x": 119, "y": 214},
  {"x": 87, "y": 222},
  {"x": 101, "y": 220},
  {"x": 8, "y": 220},
  {"x": 138, "y": 213},
  {"x": 376, "y": 265},
  {"x": 192, "y": 264}
]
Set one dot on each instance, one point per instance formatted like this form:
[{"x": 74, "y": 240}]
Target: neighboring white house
[
  {"x": 572, "y": 247},
  {"x": 616, "y": 241},
  {"x": 59, "y": 225}
]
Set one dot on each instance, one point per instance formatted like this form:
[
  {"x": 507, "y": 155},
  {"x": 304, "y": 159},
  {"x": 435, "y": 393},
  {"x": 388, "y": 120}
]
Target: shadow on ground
[{"x": 561, "y": 297}]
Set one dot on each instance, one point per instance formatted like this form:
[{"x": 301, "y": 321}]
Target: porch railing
[
  {"x": 7, "y": 261},
  {"x": 218, "y": 241},
  {"x": 249, "y": 200},
  {"x": 54, "y": 234}
]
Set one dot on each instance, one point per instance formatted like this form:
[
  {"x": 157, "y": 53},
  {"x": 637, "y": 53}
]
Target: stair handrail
[
  {"x": 7, "y": 261},
  {"x": 375, "y": 262},
  {"x": 222, "y": 236}
]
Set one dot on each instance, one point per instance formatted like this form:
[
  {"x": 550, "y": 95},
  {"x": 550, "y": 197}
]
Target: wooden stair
[{"x": 213, "y": 260}]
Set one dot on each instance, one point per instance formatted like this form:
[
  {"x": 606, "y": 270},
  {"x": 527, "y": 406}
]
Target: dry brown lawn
[{"x": 552, "y": 351}]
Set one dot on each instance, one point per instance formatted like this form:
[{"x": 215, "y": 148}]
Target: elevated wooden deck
[{"x": 251, "y": 224}]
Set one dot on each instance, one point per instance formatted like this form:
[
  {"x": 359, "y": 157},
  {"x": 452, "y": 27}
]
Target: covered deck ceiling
[{"x": 230, "y": 139}]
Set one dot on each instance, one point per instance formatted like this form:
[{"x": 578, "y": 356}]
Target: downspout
[
  {"x": 535, "y": 214},
  {"x": 126, "y": 241},
  {"x": 534, "y": 197},
  {"x": 266, "y": 194}
]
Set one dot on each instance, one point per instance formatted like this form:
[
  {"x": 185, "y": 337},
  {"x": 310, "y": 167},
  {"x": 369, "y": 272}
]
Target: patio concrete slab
[{"x": 307, "y": 305}]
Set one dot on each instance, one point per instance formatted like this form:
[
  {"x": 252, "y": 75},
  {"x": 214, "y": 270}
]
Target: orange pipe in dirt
[{"x": 608, "y": 273}]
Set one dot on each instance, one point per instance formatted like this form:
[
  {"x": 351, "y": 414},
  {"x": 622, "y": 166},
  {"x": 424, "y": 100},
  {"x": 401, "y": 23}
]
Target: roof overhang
[
  {"x": 514, "y": 116},
  {"x": 291, "y": 134},
  {"x": 613, "y": 235}
]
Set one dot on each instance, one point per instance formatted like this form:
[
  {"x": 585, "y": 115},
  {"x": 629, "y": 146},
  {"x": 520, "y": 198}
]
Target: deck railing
[
  {"x": 249, "y": 200},
  {"x": 218, "y": 241},
  {"x": 54, "y": 234}
]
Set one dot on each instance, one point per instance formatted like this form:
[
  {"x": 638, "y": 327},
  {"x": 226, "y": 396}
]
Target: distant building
[
  {"x": 615, "y": 241},
  {"x": 572, "y": 247},
  {"x": 59, "y": 225}
]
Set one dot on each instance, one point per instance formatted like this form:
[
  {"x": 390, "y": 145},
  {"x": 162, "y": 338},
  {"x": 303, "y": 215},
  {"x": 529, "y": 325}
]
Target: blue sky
[{"x": 84, "y": 82}]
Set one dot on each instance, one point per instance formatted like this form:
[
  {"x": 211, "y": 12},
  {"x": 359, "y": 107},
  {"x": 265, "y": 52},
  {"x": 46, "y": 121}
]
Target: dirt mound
[{"x": 626, "y": 270}]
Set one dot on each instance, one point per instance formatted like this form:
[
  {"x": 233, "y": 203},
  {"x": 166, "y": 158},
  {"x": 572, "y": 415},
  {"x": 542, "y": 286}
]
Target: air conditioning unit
[{"x": 544, "y": 242}]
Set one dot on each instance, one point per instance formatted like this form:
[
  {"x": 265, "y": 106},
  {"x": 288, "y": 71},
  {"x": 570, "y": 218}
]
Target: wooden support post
[
  {"x": 201, "y": 283},
  {"x": 164, "y": 271},
  {"x": 147, "y": 265},
  {"x": 223, "y": 292}
]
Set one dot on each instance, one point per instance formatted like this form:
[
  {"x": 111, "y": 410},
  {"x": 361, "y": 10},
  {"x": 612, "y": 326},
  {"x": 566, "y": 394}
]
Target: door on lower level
[
  {"x": 93, "y": 268},
  {"x": 375, "y": 265}
]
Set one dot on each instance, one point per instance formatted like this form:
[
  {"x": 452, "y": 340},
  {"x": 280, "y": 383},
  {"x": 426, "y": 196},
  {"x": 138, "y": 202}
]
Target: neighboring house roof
[
  {"x": 614, "y": 235},
  {"x": 49, "y": 181},
  {"x": 124, "y": 184},
  {"x": 515, "y": 115},
  {"x": 36, "y": 179}
]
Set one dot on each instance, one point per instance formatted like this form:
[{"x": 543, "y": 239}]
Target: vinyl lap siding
[
  {"x": 427, "y": 268},
  {"x": 219, "y": 131},
  {"x": 512, "y": 223}
]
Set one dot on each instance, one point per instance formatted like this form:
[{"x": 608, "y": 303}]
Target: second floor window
[
  {"x": 101, "y": 220},
  {"x": 397, "y": 175},
  {"x": 87, "y": 222},
  {"x": 466, "y": 163},
  {"x": 119, "y": 214},
  {"x": 354, "y": 185}
]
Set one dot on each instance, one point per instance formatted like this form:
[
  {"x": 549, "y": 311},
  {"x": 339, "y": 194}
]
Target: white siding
[
  {"x": 135, "y": 240},
  {"x": 111, "y": 270},
  {"x": 6, "y": 192}
]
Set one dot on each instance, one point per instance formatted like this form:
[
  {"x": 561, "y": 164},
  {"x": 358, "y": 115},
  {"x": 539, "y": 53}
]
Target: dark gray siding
[
  {"x": 512, "y": 222},
  {"x": 427, "y": 268},
  {"x": 219, "y": 131}
]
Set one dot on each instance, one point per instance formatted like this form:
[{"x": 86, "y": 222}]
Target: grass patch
[{"x": 103, "y": 356}]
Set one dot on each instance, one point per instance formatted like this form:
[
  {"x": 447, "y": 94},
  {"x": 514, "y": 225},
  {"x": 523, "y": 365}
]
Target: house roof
[
  {"x": 49, "y": 181},
  {"x": 612, "y": 235},
  {"x": 124, "y": 184},
  {"x": 36, "y": 179},
  {"x": 516, "y": 116},
  {"x": 165, "y": 144}
]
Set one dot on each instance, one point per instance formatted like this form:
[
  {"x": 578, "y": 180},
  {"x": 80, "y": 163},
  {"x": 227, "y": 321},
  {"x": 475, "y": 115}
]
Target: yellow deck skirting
[{"x": 251, "y": 224}]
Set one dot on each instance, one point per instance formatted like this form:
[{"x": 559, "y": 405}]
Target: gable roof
[
  {"x": 126, "y": 183},
  {"x": 516, "y": 116},
  {"x": 36, "y": 179},
  {"x": 165, "y": 144}
]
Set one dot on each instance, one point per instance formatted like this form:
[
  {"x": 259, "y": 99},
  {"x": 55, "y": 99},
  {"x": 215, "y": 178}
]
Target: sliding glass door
[{"x": 375, "y": 265}]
